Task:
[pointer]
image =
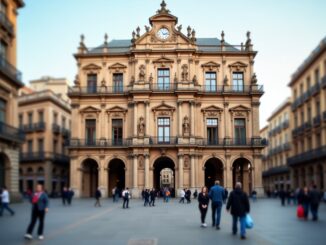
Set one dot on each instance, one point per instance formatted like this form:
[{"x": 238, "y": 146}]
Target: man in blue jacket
[{"x": 217, "y": 195}]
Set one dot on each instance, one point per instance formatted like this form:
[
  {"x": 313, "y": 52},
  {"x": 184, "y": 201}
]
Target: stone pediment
[
  {"x": 160, "y": 17},
  {"x": 163, "y": 60},
  {"x": 212, "y": 108},
  {"x": 211, "y": 65},
  {"x": 163, "y": 107},
  {"x": 212, "y": 111},
  {"x": 91, "y": 67},
  {"x": 238, "y": 66},
  {"x": 116, "y": 109},
  {"x": 117, "y": 67},
  {"x": 240, "y": 111},
  {"x": 90, "y": 109},
  {"x": 240, "y": 108}
]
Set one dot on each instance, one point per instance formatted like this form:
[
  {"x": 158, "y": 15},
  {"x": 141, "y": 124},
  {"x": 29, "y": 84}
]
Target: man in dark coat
[
  {"x": 238, "y": 202},
  {"x": 314, "y": 202},
  {"x": 152, "y": 195}
]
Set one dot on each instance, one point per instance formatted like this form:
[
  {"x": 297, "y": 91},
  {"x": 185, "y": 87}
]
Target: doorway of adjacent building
[
  {"x": 242, "y": 172},
  {"x": 2, "y": 170},
  {"x": 89, "y": 177},
  {"x": 116, "y": 175},
  {"x": 213, "y": 171},
  {"x": 165, "y": 166}
]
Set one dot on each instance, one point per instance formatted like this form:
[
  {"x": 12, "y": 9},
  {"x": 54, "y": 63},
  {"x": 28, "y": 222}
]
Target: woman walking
[
  {"x": 203, "y": 200},
  {"x": 40, "y": 206}
]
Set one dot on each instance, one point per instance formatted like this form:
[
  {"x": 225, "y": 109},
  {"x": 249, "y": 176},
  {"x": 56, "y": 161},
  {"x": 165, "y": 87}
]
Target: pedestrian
[
  {"x": 5, "y": 200},
  {"x": 195, "y": 194},
  {"x": 203, "y": 200},
  {"x": 182, "y": 196},
  {"x": 324, "y": 197},
  {"x": 70, "y": 194},
  {"x": 146, "y": 197},
  {"x": 116, "y": 194},
  {"x": 40, "y": 206},
  {"x": 238, "y": 203},
  {"x": 226, "y": 194},
  {"x": 216, "y": 194},
  {"x": 152, "y": 197},
  {"x": 167, "y": 195},
  {"x": 98, "y": 196},
  {"x": 254, "y": 195},
  {"x": 304, "y": 200},
  {"x": 125, "y": 196},
  {"x": 282, "y": 196},
  {"x": 64, "y": 195},
  {"x": 314, "y": 202},
  {"x": 188, "y": 196}
]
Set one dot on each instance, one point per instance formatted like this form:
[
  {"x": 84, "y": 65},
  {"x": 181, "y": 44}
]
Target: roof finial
[
  {"x": 163, "y": 8},
  {"x": 106, "y": 39},
  {"x": 248, "y": 42},
  {"x": 189, "y": 31},
  {"x": 222, "y": 37},
  {"x": 138, "y": 31},
  {"x": 82, "y": 38}
]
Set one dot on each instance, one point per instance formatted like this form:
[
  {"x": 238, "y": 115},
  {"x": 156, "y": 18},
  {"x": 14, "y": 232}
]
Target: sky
[{"x": 284, "y": 32}]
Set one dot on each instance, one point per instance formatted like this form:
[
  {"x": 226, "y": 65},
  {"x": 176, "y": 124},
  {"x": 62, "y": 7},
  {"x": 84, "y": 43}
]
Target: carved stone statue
[
  {"x": 226, "y": 80},
  {"x": 188, "y": 31},
  {"x": 195, "y": 80},
  {"x": 254, "y": 79},
  {"x": 184, "y": 73},
  {"x": 147, "y": 28},
  {"x": 151, "y": 78},
  {"x": 76, "y": 81},
  {"x": 179, "y": 28},
  {"x": 186, "y": 126},
  {"x": 138, "y": 32},
  {"x": 141, "y": 126},
  {"x": 103, "y": 83},
  {"x": 142, "y": 73},
  {"x": 186, "y": 162},
  {"x": 132, "y": 81},
  {"x": 175, "y": 80},
  {"x": 141, "y": 162}
]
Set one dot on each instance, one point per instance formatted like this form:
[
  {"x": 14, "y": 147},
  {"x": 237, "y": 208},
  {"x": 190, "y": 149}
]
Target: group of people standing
[
  {"x": 237, "y": 204},
  {"x": 67, "y": 195},
  {"x": 185, "y": 194},
  {"x": 149, "y": 197},
  {"x": 310, "y": 198}
]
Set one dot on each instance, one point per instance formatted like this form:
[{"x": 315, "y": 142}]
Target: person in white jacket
[
  {"x": 5, "y": 200},
  {"x": 182, "y": 195}
]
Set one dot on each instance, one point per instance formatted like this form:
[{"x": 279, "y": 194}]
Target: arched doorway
[
  {"x": 4, "y": 163},
  {"x": 213, "y": 171},
  {"x": 162, "y": 166},
  {"x": 242, "y": 172},
  {"x": 116, "y": 175},
  {"x": 89, "y": 178}
]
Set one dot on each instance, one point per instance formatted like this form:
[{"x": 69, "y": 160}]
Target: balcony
[
  {"x": 41, "y": 156},
  {"x": 10, "y": 133},
  {"x": 315, "y": 89},
  {"x": 307, "y": 126},
  {"x": 323, "y": 82},
  {"x": 55, "y": 128},
  {"x": 308, "y": 156},
  {"x": 65, "y": 132},
  {"x": 99, "y": 143},
  {"x": 285, "y": 124},
  {"x": 317, "y": 121},
  {"x": 33, "y": 127},
  {"x": 10, "y": 71},
  {"x": 276, "y": 170},
  {"x": 159, "y": 87},
  {"x": 5, "y": 22}
]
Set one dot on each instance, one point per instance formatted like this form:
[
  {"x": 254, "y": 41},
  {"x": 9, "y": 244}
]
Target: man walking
[
  {"x": 98, "y": 196},
  {"x": 64, "y": 196},
  {"x": 216, "y": 194},
  {"x": 152, "y": 197},
  {"x": 315, "y": 197},
  {"x": 182, "y": 196},
  {"x": 125, "y": 196},
  {"x": 146, "y": 196},
  {"x": 5, "y": 200},
  {"x": 238, "y": 202}
]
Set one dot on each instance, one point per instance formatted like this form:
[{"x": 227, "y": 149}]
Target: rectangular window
[
  {"x": 237, "y": 81},
  {"x": 308, "y": 83},
  {"x": 91, "y": 83},
  {"x": 309, "y": 113},
  {"x": 240, "y": 131},
  {"x": 55, "y": 146},
  {"x": 30, "y": 119},
  {"x": 30, "y": 146},
  {"x": 21, "y": 120},
  {"x": 163, "y": 124},
  {"x": 90, "y": 131},
  {"x": 163, "y": 79},
  {"x": 117, "y": 83},
  {"x": 63, "y": 122},
  {"x": 41, "y": 116},
  {"x": 40, "y": 146},
  {"x": 210, "y": 81},
  {"x": 212, "y": 131},
  {"x": 318, "y": 140},
  {"x": 3, "y": 49},
  {"x": 318, "y": 107},
  {"x": 55, "y": 118},
  {"x": 117, "y": 131},
  {"x": 302, "y": 117},
  {"x": 3, "y": 110},
  {"x": 316, "y": 76}
]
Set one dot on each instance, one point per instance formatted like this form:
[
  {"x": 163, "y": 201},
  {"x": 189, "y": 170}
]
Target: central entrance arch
[
  {"x": 242, "y": 172},
  {"x": 213, "y": 171},
  {"x": 89, "y": 177},
  {"x": 116, "y": 175},
  {"x": 162, "y": 166}
]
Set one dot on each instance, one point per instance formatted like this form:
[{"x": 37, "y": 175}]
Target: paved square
[{"x": 167, "y": 223}]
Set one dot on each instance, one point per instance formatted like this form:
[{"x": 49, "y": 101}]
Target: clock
[{"x": 163, "y": 33}]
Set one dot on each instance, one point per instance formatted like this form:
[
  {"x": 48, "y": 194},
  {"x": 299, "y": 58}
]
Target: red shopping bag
[{"x": 300, "y": 212}]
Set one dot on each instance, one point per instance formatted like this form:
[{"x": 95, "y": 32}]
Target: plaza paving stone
[{"x": 167, "y": 223}]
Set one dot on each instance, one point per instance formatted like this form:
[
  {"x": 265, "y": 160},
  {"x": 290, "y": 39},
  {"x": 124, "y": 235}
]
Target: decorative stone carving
[
  {"x": 175, "y": 78},
  {"x": 164, "y": 110},
  {"x": 184, "y": 73},
  {"x": 212, "y": 111},
  {"x": 186, "y": 126},
  {"x": 151, "y": 79},
  {"x": 238, "y": 66},
  {"x": 141, "y": 126},
  {"x": 195, "y": 80},
  {"x": 254, "y": 79},
  {"x": 179, "y": 28},
  {"x": 211, "y": 66},
  {"x": 186, "y": 162},
  {"x": 141, "y": 164},
  {"x": 103, "y": 83},
  {"x": 142, "y": 73},
  {"x": 117, "y": 111},
  {"x": 188, "y": 31},
  {"x": 117, "y": 68},
  {"x": 132, "y": 80},
  {"x": 147, "y": 28},
  {"x": 240, "y": 111},
  {"x": 226, "y": 81},
  {"x": 76, "y": 81}
]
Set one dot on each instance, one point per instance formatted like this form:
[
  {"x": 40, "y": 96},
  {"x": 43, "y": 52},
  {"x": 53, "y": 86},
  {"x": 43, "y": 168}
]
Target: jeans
[
  {"x": 242, "y": 225},
  {"x": 125, "y": 203},
  {"x": 314, "y": 211},
  {"x": 36, "y": 214},
  {"x": 5, "y": 205},
  {"x": 306, "y": 210},
  {"x": 216, "y": 212}
]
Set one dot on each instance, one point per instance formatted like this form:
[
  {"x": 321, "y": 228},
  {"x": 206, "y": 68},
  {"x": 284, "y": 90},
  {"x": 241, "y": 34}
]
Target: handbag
[
  {"x": 300, "y": 212},
  {"x": 249, "y": 222}
]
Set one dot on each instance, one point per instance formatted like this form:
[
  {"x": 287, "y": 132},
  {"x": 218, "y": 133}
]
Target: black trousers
[
  {"x": 125, "y": 203},
  {"x": 152, "y": 202},
  {"x": 40, "y": 215},
  {"x": 203, "y": 212}
]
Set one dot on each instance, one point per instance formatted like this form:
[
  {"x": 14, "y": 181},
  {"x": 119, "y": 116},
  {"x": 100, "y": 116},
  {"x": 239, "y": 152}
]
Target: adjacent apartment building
[
  {"x": 308, "y": 87},
  {"x": 165, "y": 98},
  {"x": 10, "y": 82},
  {"x": 44, "y": 116}
]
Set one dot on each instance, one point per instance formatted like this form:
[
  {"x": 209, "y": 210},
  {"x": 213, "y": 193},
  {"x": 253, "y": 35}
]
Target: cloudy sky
[{"x": 284, "y": 32}]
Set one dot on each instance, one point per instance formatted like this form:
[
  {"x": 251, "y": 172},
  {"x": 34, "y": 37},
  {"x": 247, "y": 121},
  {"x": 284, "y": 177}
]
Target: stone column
[
  {"x": 134, "y": 172},
  {"x": 255, "y": 119},
  {"x": 227, "y": 124},
  {"x": 257, "y": 181},
  {"x": 135, "y": 119},
  {"x": 192, "y": 118},
  {"x": 147, "y": 171},
  {"x": 192, "y": 169},
  {"x": 229, "y": 173},
  {"x": 180, "y": 171},
  {"x": 179, "y": 118},
  {"x": 103, "y": 178},
  {"x": 147, "y": 118}
]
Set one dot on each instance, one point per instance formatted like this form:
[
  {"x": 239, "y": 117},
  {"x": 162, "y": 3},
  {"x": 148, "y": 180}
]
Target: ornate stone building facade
[
  {"x": 44, "y": 116},
  {"x": 308, "y": 86},
  {"x": 165, "y": 99},
  {"x": 10, "y": 82}
]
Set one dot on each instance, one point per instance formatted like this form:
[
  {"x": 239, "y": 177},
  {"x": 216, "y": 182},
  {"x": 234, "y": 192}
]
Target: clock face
[{"x": 163, "y": 33}]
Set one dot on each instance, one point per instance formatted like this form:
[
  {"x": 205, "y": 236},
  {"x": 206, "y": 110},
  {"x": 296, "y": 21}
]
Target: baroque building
[
  {"x": 165, "y": 99},
  {"x": 308, "y": 87},
  {"x": 44, "y": 117},
  {"x": 10, "y": 81}
]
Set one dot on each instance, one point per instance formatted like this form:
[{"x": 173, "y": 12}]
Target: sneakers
[
  {"x": 218, "y": 227},
  {"x": 41, "y": 237},
  {"x": 243, "y": 237},
  {"x": 204, "y": 225},
  {"x": 28, "y": 236}
]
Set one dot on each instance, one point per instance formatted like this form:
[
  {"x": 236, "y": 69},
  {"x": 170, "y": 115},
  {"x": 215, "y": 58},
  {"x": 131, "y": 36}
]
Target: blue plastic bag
[{"x": 249, "y": 222}]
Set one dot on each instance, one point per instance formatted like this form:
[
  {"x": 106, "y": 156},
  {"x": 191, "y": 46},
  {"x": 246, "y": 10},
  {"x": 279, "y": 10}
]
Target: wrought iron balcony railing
[
  {"x": 27, "y": 128},
  {"x": 10, "y": 71},
  {"x": 6, "y": 22},
  {"x": 308, "y": 156},
  {"x": 10, "y": 133},
  {"x": 40, "y": 156},
  {"x": 56, "y": 128},
  {"x": 317, "y": 121}
]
